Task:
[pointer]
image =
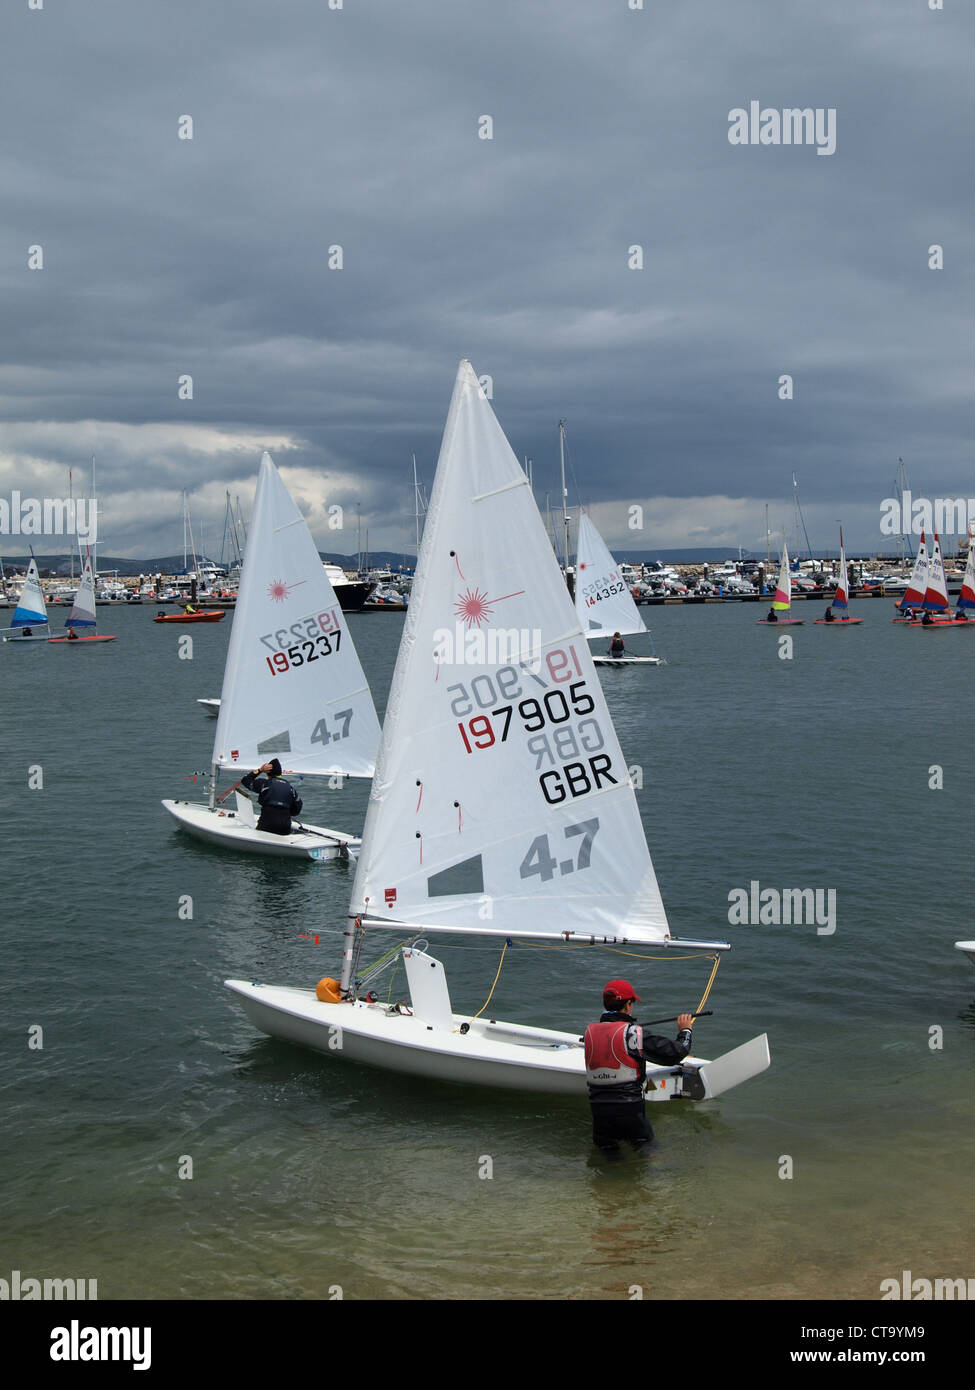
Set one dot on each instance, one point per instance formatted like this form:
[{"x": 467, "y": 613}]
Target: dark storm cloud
[{"x": 358, "y": 127}]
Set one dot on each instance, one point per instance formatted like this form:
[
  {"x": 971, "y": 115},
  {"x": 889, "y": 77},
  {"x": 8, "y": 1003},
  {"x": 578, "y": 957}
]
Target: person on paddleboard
[
  {"x": 617, "y": 1052},
  {"x": 617, "y": 647},
  {"x": 277, "y": 797}
]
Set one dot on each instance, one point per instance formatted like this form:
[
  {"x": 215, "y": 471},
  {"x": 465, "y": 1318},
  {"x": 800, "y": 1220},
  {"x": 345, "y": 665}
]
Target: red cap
[{"x": 621, "y": 990}]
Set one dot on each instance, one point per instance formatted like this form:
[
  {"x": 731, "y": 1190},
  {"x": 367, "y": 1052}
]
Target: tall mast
[
  {"x": 800, "y": 520},
  {"x": 72, "y": 515},
  {"x": 184, "y": 530},
  {"x": 565, "y": 498},
  {"x": 416, "y": 500},
  {"x": 768, "y": 542},
  {"x": 94, "y": 544}
]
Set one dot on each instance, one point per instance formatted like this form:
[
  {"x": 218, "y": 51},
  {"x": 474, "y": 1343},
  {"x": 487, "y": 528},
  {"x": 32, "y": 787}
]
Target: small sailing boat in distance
[
  {"x": 501, "y": 806},
  {"x": 604, "y": 604},
  {"x": 966, "y": 597},
  {"x": 293, "y": 687},
  {"x": 838, "y": 613},
  {"x": 936, "y": 604},
  {"x": 31, "y": 610},
  {"x": 913, "y": 595},
  {"x": 82, "y": 614},
  {"x": 782, "y": 603}
]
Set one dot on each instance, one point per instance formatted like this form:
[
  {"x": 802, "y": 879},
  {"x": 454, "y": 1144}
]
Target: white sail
[
  {"x": 83, "y": 609},
  {"x": 918, "y": 582},
  {"x": 936, "y": 587},
  {"x": 293, "y": 687},
  {"x": 31, "y": 609},
  {"x": 783, "y": 590},
  {"x": 604, "y": 604},
  {"x": 501, "y": 800}
]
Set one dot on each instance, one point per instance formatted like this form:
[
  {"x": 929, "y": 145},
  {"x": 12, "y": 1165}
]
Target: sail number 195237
[{"x": 308, "y": 640}]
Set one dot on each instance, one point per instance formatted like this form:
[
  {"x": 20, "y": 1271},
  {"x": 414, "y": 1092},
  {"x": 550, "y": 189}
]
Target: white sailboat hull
[
  {"x": 210, "y": 707},
  {"x": 968, "y": 947},
  {"x": 506, "y": 1056},
  {"x": 628, "y": 660},
  {"x": 228, "y": 830}
]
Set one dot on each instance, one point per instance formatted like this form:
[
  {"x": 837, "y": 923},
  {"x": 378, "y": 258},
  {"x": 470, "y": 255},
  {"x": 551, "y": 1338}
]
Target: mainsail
[
  {"x": 31, "y": 609},
  {"x": 841, "y": 599},
  {"x": 936, "y": 588},
  {"x": 914, "y": 593},
  {"x": 293, "y": 687},
  {"x": 501, "y": 799},
  {"x": 83, "y": 609},
  {"x": 604, "y": 604},
  {"x": 783, "y": 590},
  {"x": 966, "y": 599}
]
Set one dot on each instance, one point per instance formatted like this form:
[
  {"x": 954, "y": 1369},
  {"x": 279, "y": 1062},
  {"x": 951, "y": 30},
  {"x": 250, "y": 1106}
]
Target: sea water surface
[{"x": 310, "y": 1174}]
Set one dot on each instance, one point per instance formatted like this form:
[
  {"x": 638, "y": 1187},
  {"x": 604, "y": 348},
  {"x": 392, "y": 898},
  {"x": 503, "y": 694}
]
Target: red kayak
[{"x": 208, "y": 615}]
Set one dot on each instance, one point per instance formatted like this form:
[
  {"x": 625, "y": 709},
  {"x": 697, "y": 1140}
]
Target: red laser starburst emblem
[
  {"x": 278, "y": 590},
  {"x": 475, "y": 608}
]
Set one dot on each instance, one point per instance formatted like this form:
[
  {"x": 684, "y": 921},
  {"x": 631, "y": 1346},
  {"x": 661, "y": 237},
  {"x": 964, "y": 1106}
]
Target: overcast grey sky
[{"x": 358, "y": 127}]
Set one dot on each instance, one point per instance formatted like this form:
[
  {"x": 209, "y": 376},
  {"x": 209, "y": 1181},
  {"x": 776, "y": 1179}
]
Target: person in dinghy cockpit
[
  {"x": 617, "y": 1052},
  {"x": 276, "y": 796}
]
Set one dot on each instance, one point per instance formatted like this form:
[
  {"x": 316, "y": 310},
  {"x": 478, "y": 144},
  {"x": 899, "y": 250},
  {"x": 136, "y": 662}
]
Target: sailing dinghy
[
  {"x": 82, "y": 614},
  {"x": 293, "y": 688},
  {"x": 604, "y": 604},
  {"x": 841, "y": 599},
  {"x": 31, "y": 611},
  {"x": 782, "y": 603},
  {"x": 501, "y": 804},
  {"x": 913, "y": 595},
  {"x": 936, "y": 601}
]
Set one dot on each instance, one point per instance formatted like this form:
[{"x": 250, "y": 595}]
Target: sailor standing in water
[
  {"x": 617, "y": 1052},
  {"x": 277, "y": 797}
]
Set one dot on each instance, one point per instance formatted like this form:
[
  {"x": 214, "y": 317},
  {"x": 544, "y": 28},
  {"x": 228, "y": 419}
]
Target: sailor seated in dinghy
[
  {"x": 277, "y": 797},
  {"x": 617, "y": 1052},
  {"x": 617, "y": 647},
  {"x": 773, "y": 617},
  {"x": 830, "y": 616}
]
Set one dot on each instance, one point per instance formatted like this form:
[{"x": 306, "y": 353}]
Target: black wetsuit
[
  {"x": 277, "y": 799},
  {"x": 619, "y": 1112}
]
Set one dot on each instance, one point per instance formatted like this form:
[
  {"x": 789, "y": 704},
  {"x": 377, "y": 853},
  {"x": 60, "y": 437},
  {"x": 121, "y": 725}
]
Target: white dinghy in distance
[
  {"x": 31, "y": 611},
  {"x": 604, "y": 604},
  {"x": 499, "y": 781},
  {"x": 81, "y": 621},
  {"x": 293, "y": 687}
]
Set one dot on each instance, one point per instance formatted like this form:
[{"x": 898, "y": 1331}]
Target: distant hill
[{"x": 396, "y": 560}]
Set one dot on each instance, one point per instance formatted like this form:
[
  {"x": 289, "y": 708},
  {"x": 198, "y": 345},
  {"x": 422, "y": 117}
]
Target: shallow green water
[{"x": 310, "y": 1174}]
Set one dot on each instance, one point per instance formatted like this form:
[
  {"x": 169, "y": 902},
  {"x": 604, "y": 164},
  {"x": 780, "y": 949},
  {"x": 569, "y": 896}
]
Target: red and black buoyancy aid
[{"x": 612, "y": 1070}]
